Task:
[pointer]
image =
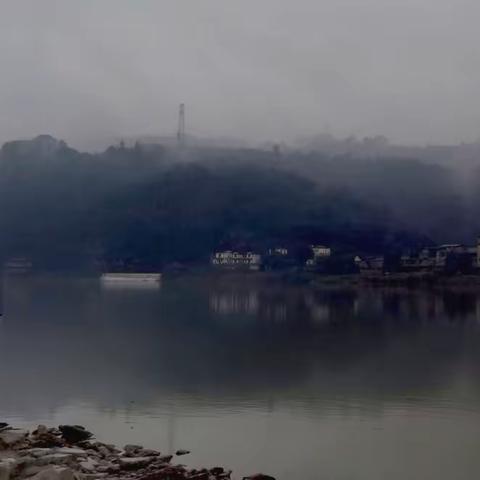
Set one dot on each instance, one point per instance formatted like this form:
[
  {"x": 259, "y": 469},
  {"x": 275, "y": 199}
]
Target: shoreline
[
  {"x": 70, "y": 452},
  {"x": 314, "y": 280},
  {"x": 306, "y": 279}
]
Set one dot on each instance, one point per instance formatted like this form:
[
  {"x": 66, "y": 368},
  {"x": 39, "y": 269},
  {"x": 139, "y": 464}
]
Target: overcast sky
[{"x": 260, "y": 69}]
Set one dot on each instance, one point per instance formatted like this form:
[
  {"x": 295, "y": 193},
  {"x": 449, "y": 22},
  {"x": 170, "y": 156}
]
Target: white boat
[{"x": 150, "y": 278}]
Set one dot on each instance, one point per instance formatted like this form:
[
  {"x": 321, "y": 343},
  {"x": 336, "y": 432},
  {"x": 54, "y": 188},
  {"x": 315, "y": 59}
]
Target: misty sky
[{"x": 83, "y": 70}]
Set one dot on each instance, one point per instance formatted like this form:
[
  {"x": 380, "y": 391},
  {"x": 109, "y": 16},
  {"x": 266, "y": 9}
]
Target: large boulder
[{"x": 74, "y": 433}]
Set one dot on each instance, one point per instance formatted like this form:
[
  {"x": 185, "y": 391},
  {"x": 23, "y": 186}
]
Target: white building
[
  {"x": 320, "y": 252},
  {"x": 279, "y": 251},
  {"x": 237, "y": 260}
]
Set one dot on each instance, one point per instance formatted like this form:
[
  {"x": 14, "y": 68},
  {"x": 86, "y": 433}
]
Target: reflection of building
[
  {"x": 237, "y": 260},
  {"x": 319, "y": 311},
  {"x": 277, "y": 312},
  {"x": 234, "y": 302}
]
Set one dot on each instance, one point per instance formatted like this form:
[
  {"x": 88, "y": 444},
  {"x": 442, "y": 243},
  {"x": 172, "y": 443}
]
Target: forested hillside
[{"x": 148, "y": 206}]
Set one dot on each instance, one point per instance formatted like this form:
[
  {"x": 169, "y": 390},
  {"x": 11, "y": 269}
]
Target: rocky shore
[{"x": 69, "y": 452}]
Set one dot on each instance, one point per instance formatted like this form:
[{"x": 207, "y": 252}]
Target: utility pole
[{"x": 181, "y": 140}]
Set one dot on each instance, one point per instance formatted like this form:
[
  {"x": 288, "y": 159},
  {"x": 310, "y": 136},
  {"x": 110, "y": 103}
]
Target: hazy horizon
[{"x": 261, "y": 71}]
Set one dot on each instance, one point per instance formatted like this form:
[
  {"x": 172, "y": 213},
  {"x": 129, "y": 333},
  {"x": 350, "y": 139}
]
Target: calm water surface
[{"x": 302, "y": 384}]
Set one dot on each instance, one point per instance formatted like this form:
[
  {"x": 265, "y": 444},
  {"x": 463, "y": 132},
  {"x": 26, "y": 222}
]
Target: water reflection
[
  {"x": 253, "y": 368},
  {"x": 322, "y": 307}
]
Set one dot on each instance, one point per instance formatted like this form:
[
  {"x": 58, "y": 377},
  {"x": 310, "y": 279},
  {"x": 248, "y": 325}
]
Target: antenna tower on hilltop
[{"x": 181, "y": 138}]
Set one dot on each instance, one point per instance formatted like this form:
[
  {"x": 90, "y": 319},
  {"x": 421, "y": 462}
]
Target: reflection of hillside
[{"x": 76, "y": 343}]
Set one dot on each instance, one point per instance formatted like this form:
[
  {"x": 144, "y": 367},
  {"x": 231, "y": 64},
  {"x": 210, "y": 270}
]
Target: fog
[
  {"x": 151, "y": 207},
  {"x": 262, "y": 70}
]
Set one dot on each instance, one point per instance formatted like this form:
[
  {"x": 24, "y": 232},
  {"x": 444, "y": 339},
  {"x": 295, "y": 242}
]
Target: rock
[
  {"x": 7, "y": 468},
  {"x": 54, "y": 459},
  {"x": 55, "y": 473},
  {"x": 12, "y": 438},
  {"x": 132, "y": 449},
  {"x": 3, "y": 426},
  {"x": 168, "y": 473},
  {"x": 109, "y": 468},
  {"x": 36, "y": 452},
  {"x": 65, "y": 473},
  {"x": 146, "y": 452},
  {"x": 25, "y": 461},
  {"x": 259, "y": 476},
  {"x": 46, "y": 440},
  {"x": 85, "y": 444},
  {"x": 41, "y": 430},
  {"x": 134, "y": 463},
  {"x": 182, "y": 452},
  {"x": 216, "y": 470},
  {"x": 200, "y": 476},
  {"x": 74, "y": 433},
  {"x": 89, "y": 465},
  {"x": 43, "y": 437},
  {"x": 65, "y": 460},
  {"x": 76, "y": 452},
  {"x": 33, "y": 470},
  {"x": 104, "y": 451}
]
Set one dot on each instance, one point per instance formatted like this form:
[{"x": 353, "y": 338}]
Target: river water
[{"x": 253, "y": 375}]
